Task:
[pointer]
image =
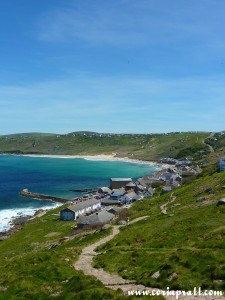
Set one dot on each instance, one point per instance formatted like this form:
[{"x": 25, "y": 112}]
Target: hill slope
[
  {"x": 186, "y": 245},
  {"x": 37, "y": 263},
  {"x": 140, "y": 146}
]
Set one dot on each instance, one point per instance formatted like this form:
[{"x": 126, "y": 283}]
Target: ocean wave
[{"x": 8, "y": 215}]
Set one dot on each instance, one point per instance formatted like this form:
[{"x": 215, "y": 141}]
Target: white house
[{"x": 72, "y": 212}]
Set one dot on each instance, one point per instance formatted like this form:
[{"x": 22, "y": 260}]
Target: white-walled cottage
[{"x": 72, "y": 212}]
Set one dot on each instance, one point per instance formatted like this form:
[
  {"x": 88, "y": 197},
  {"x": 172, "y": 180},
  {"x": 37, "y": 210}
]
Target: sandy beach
[{"x": 104, "y": 157}]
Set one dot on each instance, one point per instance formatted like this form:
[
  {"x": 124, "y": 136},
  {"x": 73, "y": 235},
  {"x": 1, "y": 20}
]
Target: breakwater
[{"x": 27, "y": 194}]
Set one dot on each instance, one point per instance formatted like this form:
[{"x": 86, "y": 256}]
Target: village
[{"x": 104, "y": 205}]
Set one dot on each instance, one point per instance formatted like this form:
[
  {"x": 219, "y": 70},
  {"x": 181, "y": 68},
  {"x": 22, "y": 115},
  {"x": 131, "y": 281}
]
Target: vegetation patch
[{"x": 185, "y": 247}]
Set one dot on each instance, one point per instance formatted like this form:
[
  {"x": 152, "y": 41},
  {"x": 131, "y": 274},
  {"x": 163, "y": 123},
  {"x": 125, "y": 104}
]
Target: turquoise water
[{"x": 55, "y": 176}]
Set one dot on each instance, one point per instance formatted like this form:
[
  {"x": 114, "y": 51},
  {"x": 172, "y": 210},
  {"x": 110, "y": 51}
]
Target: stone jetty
[{"x": 27, "y": 194}]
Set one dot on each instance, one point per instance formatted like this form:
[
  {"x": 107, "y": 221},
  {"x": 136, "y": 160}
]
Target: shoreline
[
  {"x": 19, "y": 221},
  {"x": 100, "y": 157},
  {"x": 97, "y": 157}
]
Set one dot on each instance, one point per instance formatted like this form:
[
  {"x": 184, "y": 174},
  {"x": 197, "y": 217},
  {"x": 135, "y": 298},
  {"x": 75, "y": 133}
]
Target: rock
[
  {"x": 172, "y": 277},
  {"x": 122, "y": 222},
  {"x": 176, "y": 204},
  {"x": 221, "y": 202},
  {"x": 65, "y": 238},
  {"x": 201, "y": 199},
  {"x": 203, "y": 203},
  {"x": 156, "y": 275},
  {"x": 208, "y": 190},
  {"x": 223, "y": 187},
  {"x": 21, "y": 220},
  {"x": 57, "y": 244},
  {"x": 218, "y": 281}
]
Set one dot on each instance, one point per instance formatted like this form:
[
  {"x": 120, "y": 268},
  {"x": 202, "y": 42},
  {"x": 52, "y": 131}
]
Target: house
[
  {"x": 138, "y": 197},
  {"x": 141, "y": 188},
  {"x": 116, "y": 183},
  {"x": 110, "y": 202},
  {"x": 168, "y": 160},
  {"x": 128, "y": 198},
  {"x": 104, "y": 190},
  {"x": 149, "y": 193},
  {"x": 221, "y": 164},
  {"x": 130, "y": 185},
  {"x": 175, "y": 177},
  {"x": 166, "y": 189},
  {"x": 72, "y": 212},
  {"x": 114, "y": 210},
  {"x": 117, "y": 194},
  {"x": 98, "y": 218}
]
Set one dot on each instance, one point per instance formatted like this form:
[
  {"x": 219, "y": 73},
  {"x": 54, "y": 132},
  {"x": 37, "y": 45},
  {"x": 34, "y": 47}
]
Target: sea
[{"x": 57, "y": 177}]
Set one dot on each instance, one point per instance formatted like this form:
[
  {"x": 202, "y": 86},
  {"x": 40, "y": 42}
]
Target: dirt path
[
  {"x": 114, "y": 281},
  {"x": 163, "y": 208},
  {"x": 210, "y": 147}
]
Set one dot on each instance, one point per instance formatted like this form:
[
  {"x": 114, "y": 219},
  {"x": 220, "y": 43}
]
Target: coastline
[
  {"x": 19, "y": 221},
  {"x": 16, "y": 218},
  {"x": 100, "y": 157}
]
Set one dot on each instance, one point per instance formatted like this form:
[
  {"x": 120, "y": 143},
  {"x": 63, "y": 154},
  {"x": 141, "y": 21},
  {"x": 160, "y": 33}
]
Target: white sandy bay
[{"x": 101, "y": 157}]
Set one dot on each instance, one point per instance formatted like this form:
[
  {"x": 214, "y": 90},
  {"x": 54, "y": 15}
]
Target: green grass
[
  {"x": 189, "y": 243},
  {"x": 141, "y": 146},
  {"x": 31, "y": 270}
]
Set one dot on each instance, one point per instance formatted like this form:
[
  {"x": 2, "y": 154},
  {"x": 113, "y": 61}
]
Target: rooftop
[
  {"x": 121, "y": 179},
  {"x": 97, "y": 218},
  {"x": 83, "y": 204}
]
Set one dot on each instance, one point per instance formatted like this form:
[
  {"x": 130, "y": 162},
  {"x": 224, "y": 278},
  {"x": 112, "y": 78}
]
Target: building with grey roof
[
  {"x": 72, "y": 212},
  {"x": 98, "y": 218},
  {"x": 128, "y": 198},
  {"x": 116, "y": 183},
  {"x": 115, "y": 210}
]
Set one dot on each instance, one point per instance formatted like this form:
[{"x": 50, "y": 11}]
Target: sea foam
[{"x": 8, "y": 215}]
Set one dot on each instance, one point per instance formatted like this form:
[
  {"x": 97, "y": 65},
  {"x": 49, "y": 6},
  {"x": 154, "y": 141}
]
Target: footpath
[{"x": 113, "y": 281}]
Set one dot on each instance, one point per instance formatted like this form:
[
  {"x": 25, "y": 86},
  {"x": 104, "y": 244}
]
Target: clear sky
[{"x": 135, "y": 66}]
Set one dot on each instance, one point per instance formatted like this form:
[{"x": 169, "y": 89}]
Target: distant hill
[
  {"x": 28, "y": 134},
  {"x": 84, "y": 133},
  {"x": 139, "y": 146}
]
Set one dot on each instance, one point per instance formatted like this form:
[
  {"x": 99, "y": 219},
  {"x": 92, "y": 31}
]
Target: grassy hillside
[
  {"x": 187, "y": 242},
  {"x": 31, "y": 269},
  {"x": 37, "y": 263},
  {"x": 141, "y": 146},
  {"x": 186, "y": 245}
]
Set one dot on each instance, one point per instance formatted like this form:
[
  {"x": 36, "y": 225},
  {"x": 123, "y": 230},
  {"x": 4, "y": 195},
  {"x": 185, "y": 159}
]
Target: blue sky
[{"x": 112, "y": 66}]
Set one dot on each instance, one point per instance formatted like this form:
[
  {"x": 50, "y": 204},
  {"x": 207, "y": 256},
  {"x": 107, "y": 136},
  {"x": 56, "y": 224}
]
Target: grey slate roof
[
  {"x": 120, "y": 191},
  {"x": 114, "y": 210},
  {"x": 83, "y": 204},
  {"x": 131, "y": 184},
  {"x": 121, "y": 179},
  {"x": 101, "y": 217},
  {"x": 110, "y": 202}
]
